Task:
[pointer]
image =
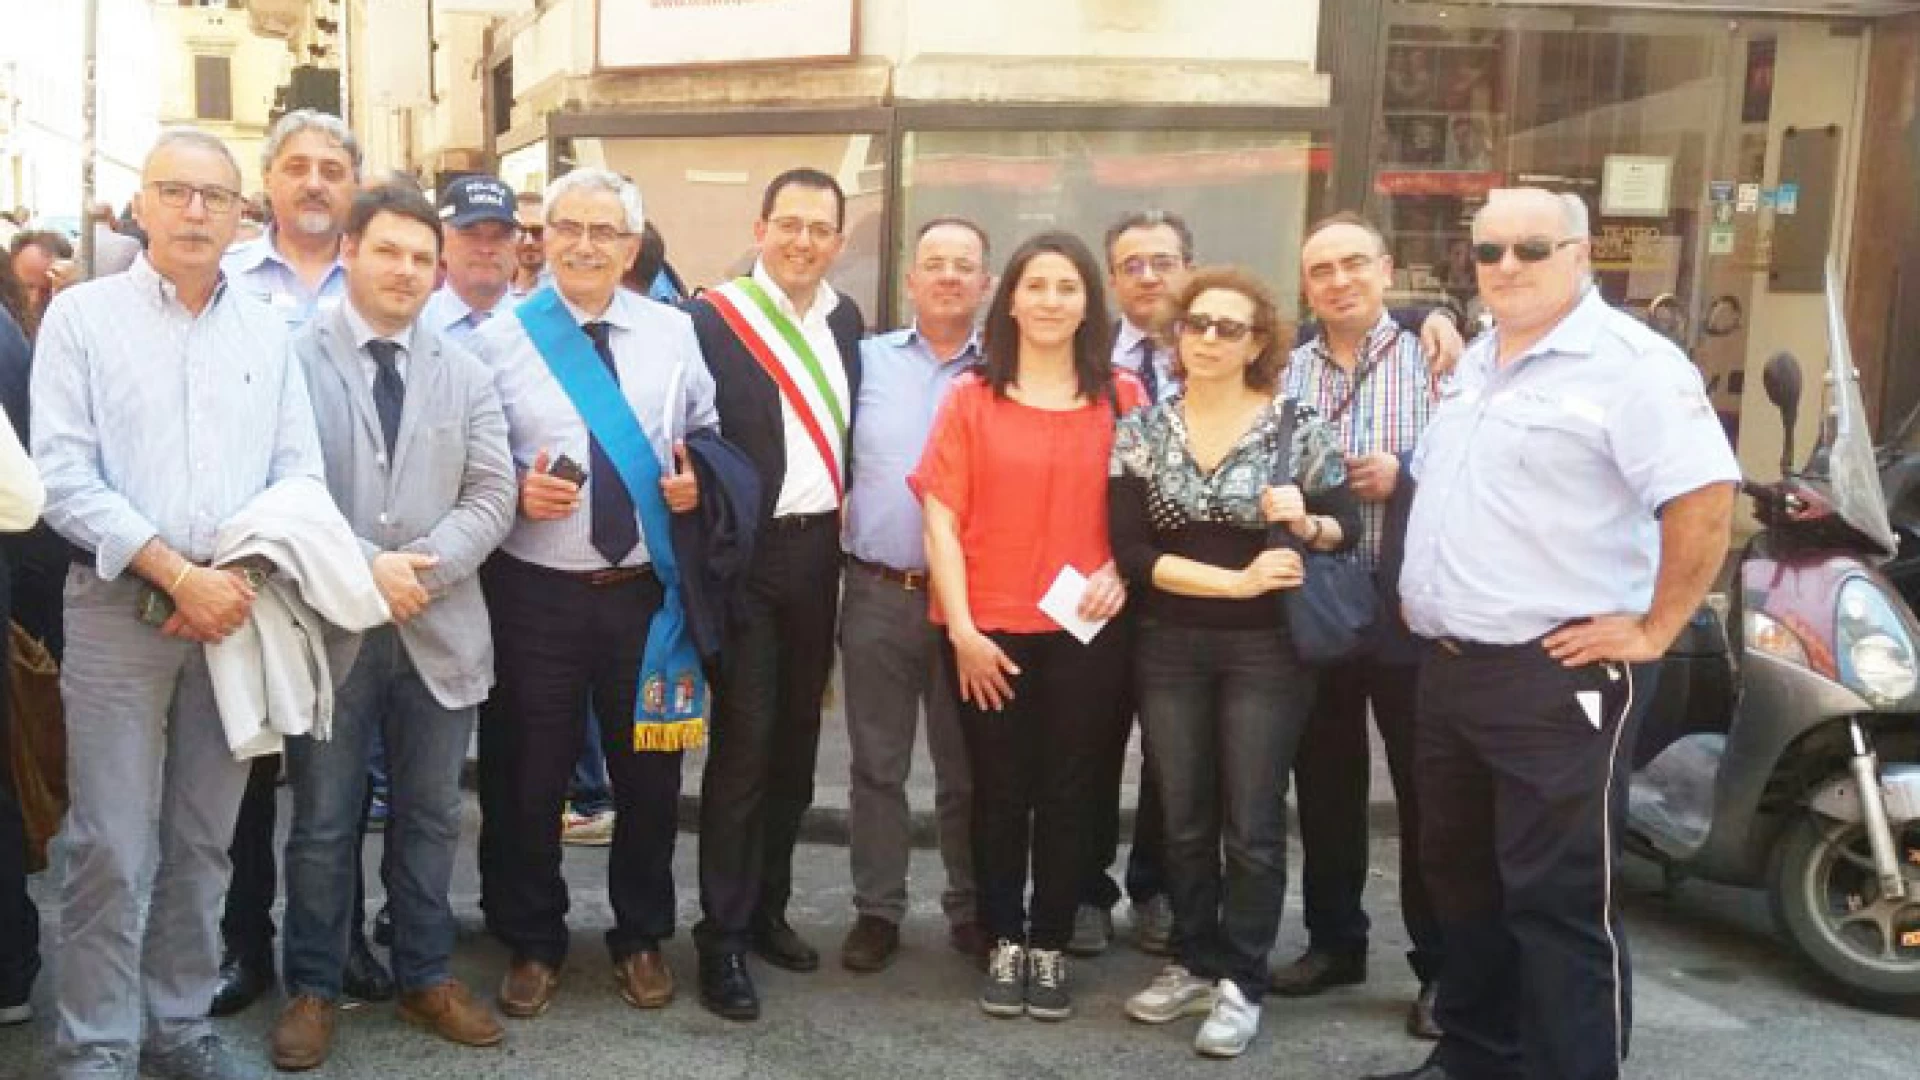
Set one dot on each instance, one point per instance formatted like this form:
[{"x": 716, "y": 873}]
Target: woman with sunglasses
[
  {"x": 1223, "y": 697},
  {"x": 1014, "y": 484}
]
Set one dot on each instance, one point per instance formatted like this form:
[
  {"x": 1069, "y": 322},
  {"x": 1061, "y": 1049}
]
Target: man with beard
[
  {"x": 416, "y": 451},
  {"x": 530, "y": 254},
  {"x": 312, "y": 167}
]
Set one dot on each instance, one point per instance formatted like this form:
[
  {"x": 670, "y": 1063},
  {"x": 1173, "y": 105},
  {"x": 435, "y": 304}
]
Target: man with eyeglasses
[
  {"x": 889, "y": 652},
  {"x": 311, "y": 166},
  {"x": 784, "y": 348},
  {"x": 164, "y": 400},
  {"x": 1368, "y": 379},
  {"x": 1575, "y": 494},
  {"x": 601, "y": 389}
]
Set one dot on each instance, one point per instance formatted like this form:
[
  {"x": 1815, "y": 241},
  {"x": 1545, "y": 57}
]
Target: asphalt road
[{"x": 1717, "y": 997}]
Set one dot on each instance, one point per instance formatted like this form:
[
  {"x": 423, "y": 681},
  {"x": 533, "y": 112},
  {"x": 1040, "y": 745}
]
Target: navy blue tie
[
  {"x": 388, "y": 391},
  {"x": 1149, "y": 375},
  {"x": 615, "y": 528}
]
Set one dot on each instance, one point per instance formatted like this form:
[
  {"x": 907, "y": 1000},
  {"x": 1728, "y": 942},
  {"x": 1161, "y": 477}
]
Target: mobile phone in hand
[{"x": 569, "y": 470}]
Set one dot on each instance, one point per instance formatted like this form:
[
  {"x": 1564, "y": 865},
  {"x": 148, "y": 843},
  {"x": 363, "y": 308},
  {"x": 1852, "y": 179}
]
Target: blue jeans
[
  {"x": 589, "y": 791},
  {"x": 426, "y": 747},
  {"x": 1223, "y": 711}
]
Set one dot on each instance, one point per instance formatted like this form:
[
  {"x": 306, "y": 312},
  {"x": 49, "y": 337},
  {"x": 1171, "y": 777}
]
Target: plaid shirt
[{"x": 1386, "y": 415}]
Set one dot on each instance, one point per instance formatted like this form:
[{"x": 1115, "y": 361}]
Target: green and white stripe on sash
[{"x": 813, "y": 386}]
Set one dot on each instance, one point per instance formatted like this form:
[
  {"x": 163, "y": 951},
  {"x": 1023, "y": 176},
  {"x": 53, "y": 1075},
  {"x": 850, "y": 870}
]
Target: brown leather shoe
[
  {"x": 450, "y": 1011},
  {"x": 870, "y": 945},
  {"x": 645, "y": 980},
  {"x": 303, "y": 1034},
  {"x": 528, "y": 988}
]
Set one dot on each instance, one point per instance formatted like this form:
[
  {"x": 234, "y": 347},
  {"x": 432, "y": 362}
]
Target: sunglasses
[
  {"x": 1532, "y": 250},
  {"x": 1224, "y": 329}
]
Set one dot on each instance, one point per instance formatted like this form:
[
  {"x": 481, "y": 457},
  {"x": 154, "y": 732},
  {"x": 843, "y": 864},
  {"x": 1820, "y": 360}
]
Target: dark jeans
[
  {"x": 246, "y": 923},
  {"x": 1331, "y": 776},
  {"x": 19, "y": 919},
  {"x": 1036, "y": 769},
  {"x": 1521, "y": 766},
  {"x": 1145, "y": 874},
  {"x": 426, "y": 747},
  {"x": 1223, "y": 711},
  {"x": 560, "y": 643},
  {"x": 766, "y": 728}
]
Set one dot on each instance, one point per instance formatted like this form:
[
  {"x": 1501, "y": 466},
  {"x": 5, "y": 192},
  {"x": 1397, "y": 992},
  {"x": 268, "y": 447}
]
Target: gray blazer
[{"x": 450, "y": 490}]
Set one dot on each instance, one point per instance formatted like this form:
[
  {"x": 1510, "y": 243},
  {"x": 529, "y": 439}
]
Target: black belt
[
  {"x": 1460, "y": 647},
  {"x": 910, "y": 580},
  {"x": 798, "y": 522},
  {"x": 611, "y": 575}
]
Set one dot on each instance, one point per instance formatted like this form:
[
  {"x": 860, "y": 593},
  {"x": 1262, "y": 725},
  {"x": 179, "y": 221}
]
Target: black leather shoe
[
  {"x": 365, "y": 978},
  {"x": 725, "y": 987},
  {"x": 244, "y": 976},
  {"x": 778, "y": 945},
  {"x": 383, "y": 927},
  {"x": 1315, "y": 971},
  {"x": 1427, "y": 1071},
  {"x": 1420, "y": 1021}
]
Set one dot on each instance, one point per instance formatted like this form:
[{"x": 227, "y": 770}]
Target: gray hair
[
  {"x": 300, "y": 120},
  {"x": 595, "y": 180},
  {"x": 196, "y": 139},
  {"x": 1573, "y": 209}
]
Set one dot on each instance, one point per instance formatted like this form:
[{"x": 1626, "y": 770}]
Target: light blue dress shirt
[
  {"x": 456, "y": 319},
  {"x": 1539, "y": 484},
  {"x": 256, "y": 268},
  {"x": 901, "y": 386},
  {"x": 149, "y": 420},
  {"x": 664, "y": 378}
]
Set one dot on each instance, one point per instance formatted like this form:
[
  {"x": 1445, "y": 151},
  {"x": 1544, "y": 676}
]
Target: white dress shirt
[{"x": 808, "y": 487}]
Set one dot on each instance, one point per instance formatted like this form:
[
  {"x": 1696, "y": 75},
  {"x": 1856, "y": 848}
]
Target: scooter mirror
[{"x": 1781, "y": 379}]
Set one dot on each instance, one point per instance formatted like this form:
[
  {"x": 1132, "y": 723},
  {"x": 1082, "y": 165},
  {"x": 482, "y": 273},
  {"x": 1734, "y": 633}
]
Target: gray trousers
[
  {"x": 890, "y": 667},
  {"x": 155, "y": 792}
]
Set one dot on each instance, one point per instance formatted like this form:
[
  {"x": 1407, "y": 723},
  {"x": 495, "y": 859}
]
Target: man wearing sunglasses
[
  {"x": 530, "y": 254},
  {"x": 1366, "y": 377},
  {"x": 1574, "y": 505}
]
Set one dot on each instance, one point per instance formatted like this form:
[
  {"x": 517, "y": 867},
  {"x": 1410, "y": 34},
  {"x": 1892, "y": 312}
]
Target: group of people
[{"x": 579, "y": 514}]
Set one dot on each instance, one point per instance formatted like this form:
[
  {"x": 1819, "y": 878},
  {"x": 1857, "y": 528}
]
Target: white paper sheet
[{"x": 1062, "y": 605}]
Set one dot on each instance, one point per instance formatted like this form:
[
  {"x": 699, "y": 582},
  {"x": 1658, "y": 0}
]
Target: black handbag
[{"x": 1330, "y": 615}]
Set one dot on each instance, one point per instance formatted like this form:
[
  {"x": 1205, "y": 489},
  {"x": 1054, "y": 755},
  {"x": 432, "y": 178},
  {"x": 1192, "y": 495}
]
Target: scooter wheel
[{"x": 1827, "y": 899}]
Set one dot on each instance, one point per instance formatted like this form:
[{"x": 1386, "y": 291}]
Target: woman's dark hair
[
  {"x": 13, "y": 297},
  {"x": 1264, "y": 372},
  {"x": 1092, "y": 342}
]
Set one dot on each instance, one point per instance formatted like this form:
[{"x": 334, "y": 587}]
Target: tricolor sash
[
  {"x": 670, "y": 709},
  {"x": 781, "y": 349}
]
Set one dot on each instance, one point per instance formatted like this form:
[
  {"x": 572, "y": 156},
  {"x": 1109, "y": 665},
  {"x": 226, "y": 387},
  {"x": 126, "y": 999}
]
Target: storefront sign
[
  {"x": 1786, "y": 199},
  {"x": 1749, "y": 200},
  {"x": 1720, "y": 191},
  {"x": 1634, "y": 185},
  {"x": 1720, "y": 240},
  {"x": 678, "y": 33},
  {"x": 1639, "y": 248}
]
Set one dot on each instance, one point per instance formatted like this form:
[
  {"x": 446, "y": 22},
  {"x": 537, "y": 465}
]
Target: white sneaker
[
  {"x": 15, "y": 1014},
  {"x": 586, "y": 830},
  {"x": 1230, "y": 1026},
  {"x": 1174, "y": 993}
]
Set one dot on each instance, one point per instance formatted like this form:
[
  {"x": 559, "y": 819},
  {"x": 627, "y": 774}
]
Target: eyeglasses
[
  {"x": 598, "y": 232},
  {"x": 1531, "y": 250},
  {"x": 1136, "y": 266},
  {"x": 178, "y": 194},
  {"x": 1197, "y": 325},
  {"x": 790, "y": 228}
]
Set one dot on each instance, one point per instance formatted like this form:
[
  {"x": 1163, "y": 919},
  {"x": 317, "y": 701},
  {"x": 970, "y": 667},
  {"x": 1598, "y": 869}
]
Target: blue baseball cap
[{"x": 473, "y": 199}]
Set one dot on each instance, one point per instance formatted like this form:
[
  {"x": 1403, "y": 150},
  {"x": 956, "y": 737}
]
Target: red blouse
[{"x": 1029, "y": 489}]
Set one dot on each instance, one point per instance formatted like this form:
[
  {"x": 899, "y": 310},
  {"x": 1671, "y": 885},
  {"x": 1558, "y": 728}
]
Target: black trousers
[
  {"x": 1332, "y": 774},
  {"x": 1036, "y": 769},
  {"x": 1146, "y": 874},
  {"x": 1522, "y": 768},
  {"x": 766, "y": 728},
  {"x": 19, "y": 919},
  {"x": 558, "y": 644}
]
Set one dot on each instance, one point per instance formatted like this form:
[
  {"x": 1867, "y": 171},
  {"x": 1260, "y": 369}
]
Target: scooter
[{"x": 1782, "y": 748}]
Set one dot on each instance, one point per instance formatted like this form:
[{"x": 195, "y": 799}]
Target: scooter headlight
[
  {"x": 1764, "y": 633},
  {"x": 1876, "y": 655}
]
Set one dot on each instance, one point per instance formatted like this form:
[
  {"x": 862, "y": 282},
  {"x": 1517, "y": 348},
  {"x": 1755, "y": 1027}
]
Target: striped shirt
[
  {"x": 257, "y": 269},
  {"x": 1392, "y": 405},
  {"x": 149, "y": 420}
]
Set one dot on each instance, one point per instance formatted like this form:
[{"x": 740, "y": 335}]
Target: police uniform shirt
[{"x": 1540, "y": 483}]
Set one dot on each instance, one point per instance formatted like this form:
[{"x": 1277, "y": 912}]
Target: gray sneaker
[
  {"x": 1047, "y": 996},
  {"x": 1153, "y": 925},
  {"x": 205, "y": 1058},
  {"x": 1092, "y": 931},
  {"x": 1004, "y": 992}
]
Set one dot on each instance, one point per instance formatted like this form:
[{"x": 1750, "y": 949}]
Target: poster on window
[{"x": 683, "y": 33}]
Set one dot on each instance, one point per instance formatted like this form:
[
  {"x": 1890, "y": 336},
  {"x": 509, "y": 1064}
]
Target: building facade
[{"x": 1726, "y": 150}]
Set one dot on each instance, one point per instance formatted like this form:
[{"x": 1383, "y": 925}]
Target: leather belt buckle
[{"x": 614, "y": 575}]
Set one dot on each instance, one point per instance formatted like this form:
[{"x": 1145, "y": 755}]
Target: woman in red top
[{"x": 1014, "y": 484}]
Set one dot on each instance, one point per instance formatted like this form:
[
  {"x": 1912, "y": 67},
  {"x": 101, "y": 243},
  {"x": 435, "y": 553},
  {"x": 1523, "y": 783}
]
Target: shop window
[
  {"x": 1248, "y": 195},
  {"x": 703, "y": 194},
  {"x": 213, "y": 87}
]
